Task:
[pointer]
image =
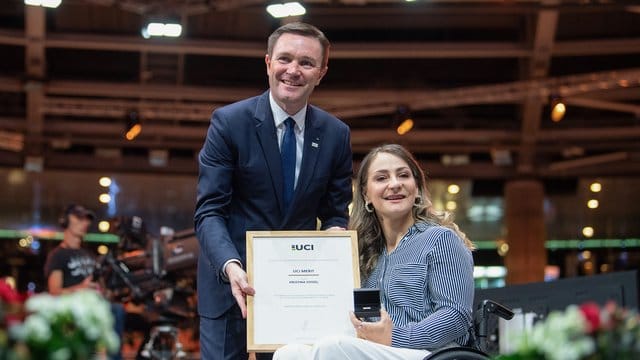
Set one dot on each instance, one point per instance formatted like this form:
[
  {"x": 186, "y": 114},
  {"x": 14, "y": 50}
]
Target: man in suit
[{"x": 244, "y": 181}]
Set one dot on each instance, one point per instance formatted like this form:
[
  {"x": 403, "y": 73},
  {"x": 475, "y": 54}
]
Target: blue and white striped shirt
[{"x": 426, "y": 286}]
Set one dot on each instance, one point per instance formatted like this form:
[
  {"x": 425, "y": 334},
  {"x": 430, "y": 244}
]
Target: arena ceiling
[{"x": 477, "y": 77}]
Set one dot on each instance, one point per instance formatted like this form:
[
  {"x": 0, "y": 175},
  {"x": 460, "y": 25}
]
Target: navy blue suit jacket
[{"x": 240, "y": 187}]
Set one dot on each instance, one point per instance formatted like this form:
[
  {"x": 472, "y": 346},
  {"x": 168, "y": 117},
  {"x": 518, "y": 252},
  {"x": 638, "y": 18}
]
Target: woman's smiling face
[{"x": 391, "y": 187}]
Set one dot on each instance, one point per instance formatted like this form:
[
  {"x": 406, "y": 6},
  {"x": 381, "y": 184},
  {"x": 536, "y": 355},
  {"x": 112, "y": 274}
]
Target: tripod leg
[{"x": 148, "y": 346}]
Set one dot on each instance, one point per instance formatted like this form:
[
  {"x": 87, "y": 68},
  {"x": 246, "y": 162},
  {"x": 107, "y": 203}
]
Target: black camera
[
  {"x": 144, "y": 266},
  {"x": 159, "y": 273}
]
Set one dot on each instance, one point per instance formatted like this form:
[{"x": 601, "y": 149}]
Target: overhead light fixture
[
  {"x": 587, "y": 231},
  {"x": 104, "y": 198},
  {"x": 404, "y": 120},
  {"x": 104, "y": 181},
  {"x": 293, "y": 8},
  {"x": 157, "y": 29},
  {"x": 134, "y": 128},
  {"x": 558, "y": 108},
  {"x": 104, "y": 226},
  {"x": 44, "y": 3},
  {"x": 453, "y": 189}
]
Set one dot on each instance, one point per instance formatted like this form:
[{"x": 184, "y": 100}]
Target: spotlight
[
  {"x": 133, "y": 126},
  {"x": 104, "y": 181},
  {"x": 403, "y": 120},
  {"x": 557, "y": 108},
  {"x": 293, "y": 8},
  {"x": 157, "y": 29},
  {"x": 44, "y": 3}
]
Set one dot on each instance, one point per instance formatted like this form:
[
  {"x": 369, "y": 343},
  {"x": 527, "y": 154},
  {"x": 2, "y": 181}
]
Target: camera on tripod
[{"x": 157, "y": 272}]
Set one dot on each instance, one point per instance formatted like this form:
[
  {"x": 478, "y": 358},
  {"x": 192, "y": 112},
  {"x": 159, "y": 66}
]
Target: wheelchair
[{"x": 478, "y": 349}]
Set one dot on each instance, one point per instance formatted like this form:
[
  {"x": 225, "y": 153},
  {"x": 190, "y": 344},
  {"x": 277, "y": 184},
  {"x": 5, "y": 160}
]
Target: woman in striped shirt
[{"x": 418, "y": 258}]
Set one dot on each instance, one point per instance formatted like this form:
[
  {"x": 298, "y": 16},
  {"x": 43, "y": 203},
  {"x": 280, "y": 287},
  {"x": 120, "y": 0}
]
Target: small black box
[{"x": 366, "y": 303}]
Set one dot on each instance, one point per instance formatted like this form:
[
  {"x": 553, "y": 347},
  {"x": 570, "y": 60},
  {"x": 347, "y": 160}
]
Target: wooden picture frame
[{"x": 304, "y": 283}]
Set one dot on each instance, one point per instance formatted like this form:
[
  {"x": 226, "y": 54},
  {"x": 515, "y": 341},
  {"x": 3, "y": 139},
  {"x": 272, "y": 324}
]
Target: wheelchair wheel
[{"x": 458, "y": 353}]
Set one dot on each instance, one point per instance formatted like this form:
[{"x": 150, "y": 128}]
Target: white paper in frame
[{"x": 304, "y": 283}]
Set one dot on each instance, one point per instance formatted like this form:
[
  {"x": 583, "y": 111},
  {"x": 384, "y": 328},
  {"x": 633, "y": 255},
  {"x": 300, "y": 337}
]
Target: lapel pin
[{"x": 314, "y": 144}]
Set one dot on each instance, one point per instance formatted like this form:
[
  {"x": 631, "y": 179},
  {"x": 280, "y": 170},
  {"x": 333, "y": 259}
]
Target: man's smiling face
[{"x": 295, "y": 68}]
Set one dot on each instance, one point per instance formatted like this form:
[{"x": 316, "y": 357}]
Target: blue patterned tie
[{"x": 288, "y": 155}]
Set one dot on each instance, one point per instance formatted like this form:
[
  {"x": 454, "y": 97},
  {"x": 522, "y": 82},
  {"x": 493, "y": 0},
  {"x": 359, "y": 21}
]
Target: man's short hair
[{"x": 304, "y": 29}]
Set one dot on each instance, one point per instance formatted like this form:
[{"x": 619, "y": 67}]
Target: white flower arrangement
[
  {"x": 70, "y": 326},
  {"x": 552, "y": 336},
  {"x": 586, "y": 332}
]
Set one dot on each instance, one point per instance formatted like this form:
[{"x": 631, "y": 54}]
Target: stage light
[
  {"x": 403, "y": 120},
  {"x": 105, "y": 181},
  {"x": 134, "y": 128},
  {"x": 293, "y": 8},
  {"x": 103, "y": 250},
  {"x": 405, "y": 126},
  {"x": 503, "y": 248},
  {"x": 104, "y": 198},
  {"x": 44, "y": 3},
  {"x": 451, "y": 205},
  {"x": 558, "y": 109},
  {"x": 104, "y": 226},
  {"x": 157, "y": 29}
]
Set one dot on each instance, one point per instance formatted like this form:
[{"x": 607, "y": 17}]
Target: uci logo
[{"x": 300, "y": 247}]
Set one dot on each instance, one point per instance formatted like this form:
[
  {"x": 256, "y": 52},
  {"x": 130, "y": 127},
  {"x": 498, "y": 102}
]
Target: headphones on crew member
[{"x": 63, "y": 220}]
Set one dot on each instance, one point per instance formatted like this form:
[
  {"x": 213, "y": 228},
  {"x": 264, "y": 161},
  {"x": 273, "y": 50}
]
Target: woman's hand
[{"x": 378, "y": 332}]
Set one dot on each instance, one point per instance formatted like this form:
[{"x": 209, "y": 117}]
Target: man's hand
[
  {"x": 378, "y": 332},
  {"x": 239, "y": 286}
]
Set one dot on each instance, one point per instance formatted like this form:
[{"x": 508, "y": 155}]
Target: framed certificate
[{"x": 304, "y": 283}]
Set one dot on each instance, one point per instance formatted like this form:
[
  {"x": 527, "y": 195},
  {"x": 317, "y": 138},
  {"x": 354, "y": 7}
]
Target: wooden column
[
  {"x": 526, "y": 233},
  {"x": 35, "y": 67}
]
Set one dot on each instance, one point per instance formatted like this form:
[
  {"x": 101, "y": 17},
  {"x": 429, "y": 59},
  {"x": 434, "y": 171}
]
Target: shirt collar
[
  {"x": 279, "y": 115},
  {"x": 417, "y": 227},
  {"x": 420, "y": 226}
]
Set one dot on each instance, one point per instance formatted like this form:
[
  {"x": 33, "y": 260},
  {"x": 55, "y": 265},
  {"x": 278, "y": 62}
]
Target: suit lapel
[{"x": 266, "y": 132}]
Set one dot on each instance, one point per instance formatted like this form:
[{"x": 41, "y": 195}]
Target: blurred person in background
[{"x": 70, "y": 267}]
